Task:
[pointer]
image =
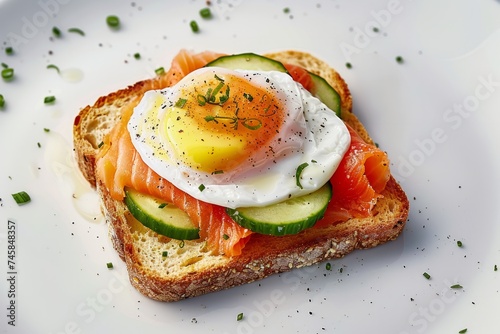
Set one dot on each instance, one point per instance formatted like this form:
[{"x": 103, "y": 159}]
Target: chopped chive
[
  {"x": 194, "y": 26},
  {"x": 215, "y": 172},
  {"x": 164, "y": 254},
  {"x": 181, "y": 244},
  {"x": 21, "y": 197},
  {"x": 225, "y": 236},
  {"x": 201, "y": 187},
  {"x": 162, "y": 205},
  {"x": 113, "y": 21},
  {"x": 38, "y": 144},
  {"x": 9, "y": 50},
  {"x": 49, "y": 99},
  {"x": 495, "y": 268},
  {"x": 399, "y": 59},
  {"x": 456, "y": 286},
  {"x": 206, "y": 13},
  {"x": 328, "y": 266},
  {"x": 46, "y": 129},
  {"x": 4, "y": 65},
  {"x": 52, "y": 66},
  {"x": 160, "y": 71},
  {"x": 239, "y": 317},
  {"x": 2, "y": 101},
  {"x": 180, "y": 102},
  {"x": 137, "y": 55},
  {"x": 248, "y": 97},
  {"x": 459, "y": 243},
  {"x": 100, "y": 144},
  {"x": 348, "y": 65},
  {"x": 299, "y": 171},
  {"x": 7, "y": 73},
  {"x": 56, "y": 31},
  {"x": 77, "y": 31},
  {"x": 286, "y": 10},
  {"x": 109, "y": 265},
  {"x": 463, "y": 331},
  {"x": 426, "y": 275}
]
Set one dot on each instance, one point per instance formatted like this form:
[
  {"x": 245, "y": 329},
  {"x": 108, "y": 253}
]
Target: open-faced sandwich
[{"x": 226, "y": 169}]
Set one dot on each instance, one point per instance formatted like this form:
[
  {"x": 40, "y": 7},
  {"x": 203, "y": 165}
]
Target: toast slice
[{"x": 190, "y": 269}]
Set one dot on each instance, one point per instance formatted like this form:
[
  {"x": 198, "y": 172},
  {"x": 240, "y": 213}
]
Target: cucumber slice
[
  {"x": 163, "y": 218},
  {"x": 288, "y": 217},
  {"x": 247, "y": 61},
  {"x": 323, "y": 91}
]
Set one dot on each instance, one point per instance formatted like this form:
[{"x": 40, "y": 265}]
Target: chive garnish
[
  {"x": 56, "y": 31},
  {"x": 21, "y": 197},
  {"x": 46, "y": 129},
  {"x": 160, "y": 71},
  {"x": 225, "y": 236},
  {"x": 162, "y": 205},
  {"x": 109, "y": 265},
  {"x": 164, "y": 254},
  {"x": 52, "y": 66},
  {"x": 201, "y": 187},
  {"x": 495, "y": 268},
  {"x": 49, "y": 99},
  {"x": 137, "y": 55},
  {"x": 9, "y": 50},
  {"x": 113, "y": 21},
  {"x": 180, "y": 103},
  {"x": 459, "y": 243},
  {"x": 7, "y": 73},
  {"x": 348, "y": 65},
  {"x": 194, "y": 26},
  {"x": 248, "y": 97},
  {"x": 100, "y": 144},
  {"x": 399, "y": 59},
  {"x": 328, "y": 266},
  {"x": 181, "y": 244},
  {"x": 463, "y": 331},
  {"x": 2, "y": 101},
  {"x": 77, "y": 31},
  {"x": 426, "y": 275},
  {"x": 299, "y": 171},
  {"x": 206, "y": 13},
  {"x": 456, "y": 286},
  {"x": 239, "y": 317}
]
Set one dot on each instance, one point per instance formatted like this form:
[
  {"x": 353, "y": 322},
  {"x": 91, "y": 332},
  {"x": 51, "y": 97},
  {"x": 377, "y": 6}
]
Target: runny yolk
[{"x": 220, "y": 122}]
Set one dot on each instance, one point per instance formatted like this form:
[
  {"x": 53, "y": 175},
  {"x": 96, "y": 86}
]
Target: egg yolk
[{"x": 223, "y": 121}]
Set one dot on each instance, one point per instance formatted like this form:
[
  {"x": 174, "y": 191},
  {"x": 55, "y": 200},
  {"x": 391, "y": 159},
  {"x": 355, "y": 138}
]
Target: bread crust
[{"x": 199, "y": 272}]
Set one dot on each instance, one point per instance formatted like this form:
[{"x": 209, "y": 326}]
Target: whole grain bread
[{"x": 190, "y": 269}]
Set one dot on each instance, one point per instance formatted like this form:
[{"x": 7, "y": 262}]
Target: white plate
[{"x": 436, "y": 115}]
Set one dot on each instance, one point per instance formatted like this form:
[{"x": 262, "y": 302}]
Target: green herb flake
[
  {"x": 399, "y": 60},
  {"x": 348, "y": 65},
  {"x": 225, "y": 236},
  {"x": 49, "y": 99},
  {"x": 181, "y": 244},
  {"x": 77, "y": 31},
  {"x": 239, "y": 317},
  {"x": 2, "y": 101},
  {"x": 328, "y": 266},
  {"x": 180, "y": 103},
  {"x": 206, "y": 13},
  {"x": 495, "y": 268},
  {"x": 39, "y": 145},
  {"x": 215, "y": 172},
  {"x": 194, "y": 26},
  {"x": 298, "y": 173},
  {"x": 160, "y": 71},
  {"x": 137, "y": 55},
  {"x": 201, "y": 187},
  {"x": 164, "y": 254},
  {"x": 248, "y": 97},
  {"x": 21, "y": 197},
  {"x": 109, "y": 265},
  {"x": 286, "y": 10},
  {"x": 100, "y": 144},
  {"x": 426, "y": 275},
  {"x": 46, "y": 130},
  {"x": 9, "y": 50},
  {"x": 57, "y": 32},
  {"x": 52, "y": 66},
  {"x": 459, "y": 243},
  {"x": 7, "y": 73},
  {"x": 162, "y": 205},
  {"x": 456, "y": 286},
  {"x": 113, "y": 21},
  {"x": 463, "y": 331}
]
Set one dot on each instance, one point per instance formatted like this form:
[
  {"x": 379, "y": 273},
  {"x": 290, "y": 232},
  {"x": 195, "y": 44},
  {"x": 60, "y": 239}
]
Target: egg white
[{"x": 312, "y": 134}]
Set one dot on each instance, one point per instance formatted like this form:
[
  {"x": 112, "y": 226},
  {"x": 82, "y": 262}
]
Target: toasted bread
[{"x": 192, "y": 270}]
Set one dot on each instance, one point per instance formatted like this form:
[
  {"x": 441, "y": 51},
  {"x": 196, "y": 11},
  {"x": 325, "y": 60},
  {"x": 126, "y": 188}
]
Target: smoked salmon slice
[{"x": 357, "y": 183}]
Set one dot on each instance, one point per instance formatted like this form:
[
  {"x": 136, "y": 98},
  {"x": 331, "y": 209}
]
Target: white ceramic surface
[{"x": 436, "y": 115}]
